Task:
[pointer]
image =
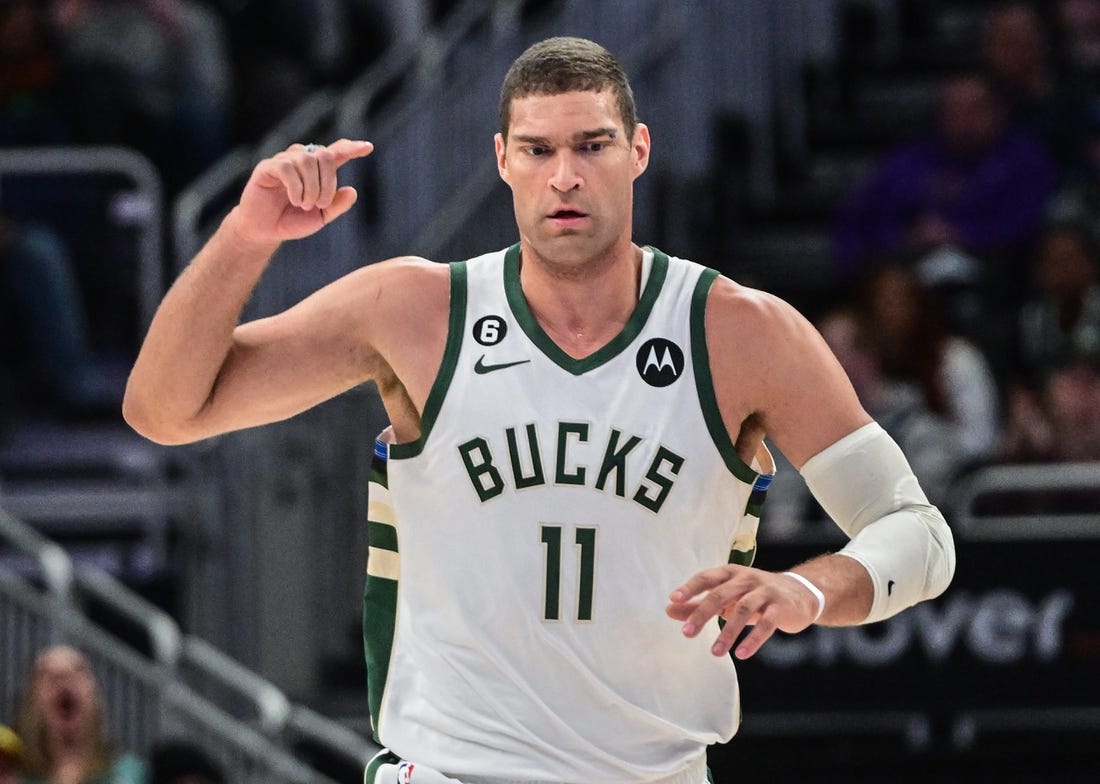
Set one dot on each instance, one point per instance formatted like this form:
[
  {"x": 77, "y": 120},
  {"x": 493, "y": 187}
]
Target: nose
[{"x": 565, "y": 176}]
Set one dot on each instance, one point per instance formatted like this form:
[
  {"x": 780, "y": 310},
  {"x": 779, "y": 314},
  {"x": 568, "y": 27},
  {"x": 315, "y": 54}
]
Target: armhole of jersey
[
  {"x": 704, "y": 383},
  {"x": 455, "y": 327}
]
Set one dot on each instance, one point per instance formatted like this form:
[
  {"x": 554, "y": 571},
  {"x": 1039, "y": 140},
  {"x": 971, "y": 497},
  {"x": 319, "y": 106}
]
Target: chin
[{"x": 569, "y": 246}]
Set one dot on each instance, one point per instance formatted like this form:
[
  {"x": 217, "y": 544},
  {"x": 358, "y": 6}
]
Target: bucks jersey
[{"x": 523, "y": 549}]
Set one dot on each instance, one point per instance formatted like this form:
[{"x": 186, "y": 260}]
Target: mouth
[
  {"x": 567, "y": 217},
  {"x": 67, "y": 705}
]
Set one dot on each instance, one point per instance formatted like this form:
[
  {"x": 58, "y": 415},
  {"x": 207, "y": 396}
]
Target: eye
[
  {"x": 536, "y": 151},
  {"x": 594, "y": 146}
]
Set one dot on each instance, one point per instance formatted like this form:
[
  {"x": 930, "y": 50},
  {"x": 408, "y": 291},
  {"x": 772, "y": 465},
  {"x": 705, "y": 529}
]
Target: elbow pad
[{"x": 865, "y": 484}]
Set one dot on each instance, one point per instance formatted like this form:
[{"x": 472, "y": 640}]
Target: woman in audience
[
  {"x": 62, "y": 725},
  {"x": 914, "y": 344}
]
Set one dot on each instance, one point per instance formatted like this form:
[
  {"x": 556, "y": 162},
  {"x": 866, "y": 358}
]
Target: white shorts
[{"x": 388, "y": 768}]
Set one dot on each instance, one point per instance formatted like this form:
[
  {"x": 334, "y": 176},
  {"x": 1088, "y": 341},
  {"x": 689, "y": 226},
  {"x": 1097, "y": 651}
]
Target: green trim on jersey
[
  {"x": 530, "y": 325},
  {"x": 704, "y": 383},
  {"x": 455, "y": 327},
  {"x": 382, "y": 535},
  {"x": 379, "y": 606},
  {"x": 742, "y": 557},
  {"x": 754, "y": 508},
  {"x": 384, "y": 757}
]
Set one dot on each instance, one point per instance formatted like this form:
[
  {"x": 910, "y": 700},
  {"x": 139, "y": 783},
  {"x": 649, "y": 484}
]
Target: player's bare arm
[
  {"x": 781, "y": 380},
  {"x": 199, "y": 373}
]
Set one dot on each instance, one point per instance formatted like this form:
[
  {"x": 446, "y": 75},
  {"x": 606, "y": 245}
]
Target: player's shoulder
[
  {"x": 403, "y": 273},
  {"x": 411, "y": 267},
  {"x": 396, "y": 288},
  {"x": 753, "y": 333},
  {"x": 751, "y": 312}
]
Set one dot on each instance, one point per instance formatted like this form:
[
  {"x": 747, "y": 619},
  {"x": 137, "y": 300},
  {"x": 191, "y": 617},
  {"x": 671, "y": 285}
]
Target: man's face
[
  {"x": 1015, "y": 49},
  {"x": 970, "y": 120},
  {"x": 571, "y": 167}
]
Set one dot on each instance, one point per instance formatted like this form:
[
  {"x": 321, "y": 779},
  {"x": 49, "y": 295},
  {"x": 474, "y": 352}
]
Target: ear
[
  {"x": 502, "y": 161},
  {"x": 639, "y": 147}
]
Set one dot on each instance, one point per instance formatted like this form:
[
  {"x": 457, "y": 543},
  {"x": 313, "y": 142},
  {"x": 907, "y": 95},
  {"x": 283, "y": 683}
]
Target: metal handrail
[
  {"x": 344, "y": 111},
  {"x": 914, "y": 727},
  {"x": 1015, "y": 478},
  {"x": 335, "y": 737},
  {"x": 107, "y": 160},
  {"x": 163, "y": 632},
  {"x": 53, "y": 562},
  {"x": 167, "y": 693},
  {"x": 967, "y": 726},
  {"x": 425, "y": 60},
  {"x": 247, "y": 739},
  {"x": 275, "y": 712},
  {"x": 187, "y": 211},
  {"x": 272, "y": 706}
]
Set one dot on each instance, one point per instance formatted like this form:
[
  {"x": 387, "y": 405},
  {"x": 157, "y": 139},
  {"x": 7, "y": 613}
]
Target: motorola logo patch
[
  {"x": 660, "y": 362},
  {"x": 490, "y": 330}
]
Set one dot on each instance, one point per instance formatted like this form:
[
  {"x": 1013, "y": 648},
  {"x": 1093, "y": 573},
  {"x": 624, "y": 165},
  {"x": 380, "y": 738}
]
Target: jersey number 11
[{"x": 586, "y": 552}]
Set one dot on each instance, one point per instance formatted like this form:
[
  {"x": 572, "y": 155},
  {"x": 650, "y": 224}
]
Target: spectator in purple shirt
[{"x": 973, "y": 183}]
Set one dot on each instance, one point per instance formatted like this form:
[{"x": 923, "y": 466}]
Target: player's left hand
[{"x": 743, "y": 596}]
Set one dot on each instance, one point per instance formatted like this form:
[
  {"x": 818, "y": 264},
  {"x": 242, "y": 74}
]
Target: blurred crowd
[
  {"x": 972, "y": 329},
  {"x": 970, "y": 252},
  {"x": 180, "y": 81}
]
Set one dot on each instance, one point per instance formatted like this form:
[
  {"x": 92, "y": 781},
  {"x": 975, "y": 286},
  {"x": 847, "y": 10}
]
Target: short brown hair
[{"x": 562, "y": 65}]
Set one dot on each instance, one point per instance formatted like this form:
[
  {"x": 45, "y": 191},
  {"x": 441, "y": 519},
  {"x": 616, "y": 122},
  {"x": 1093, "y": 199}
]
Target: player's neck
[{"x": 582, "y": 307}]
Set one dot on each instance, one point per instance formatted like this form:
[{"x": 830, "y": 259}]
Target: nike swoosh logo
[
  {"x": 481, "y": 368},
  {"x": 889, "y": 587}
]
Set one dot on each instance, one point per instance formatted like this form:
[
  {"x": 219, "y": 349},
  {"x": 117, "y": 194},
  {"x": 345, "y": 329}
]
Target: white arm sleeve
[{"x": 865, "y": 484}]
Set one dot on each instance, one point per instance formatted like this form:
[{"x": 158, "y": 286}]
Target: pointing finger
[{"x": 344, "y": 150}]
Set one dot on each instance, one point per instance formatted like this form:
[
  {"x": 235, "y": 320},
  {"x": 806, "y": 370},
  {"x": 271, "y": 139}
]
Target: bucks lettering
[{"x": 572, "y": 464}]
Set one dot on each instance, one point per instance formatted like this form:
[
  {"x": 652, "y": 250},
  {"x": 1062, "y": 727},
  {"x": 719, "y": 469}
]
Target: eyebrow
[{"x": 595, "y": 133}]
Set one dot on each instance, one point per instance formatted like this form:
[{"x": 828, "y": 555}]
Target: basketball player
[{"x": 576, "y": 453}]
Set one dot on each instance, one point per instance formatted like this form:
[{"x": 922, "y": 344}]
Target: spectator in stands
[
  {"x": 1061, "y": 322},
  {"x": 149, "y": 74},
  {"x": 182, "y": 762},
  {"x": 11, "y": 757},
  {"x": 41, "y": 302},
  {"x": 931, "y": 442},
  {"x": 1039, "y": 97},
  {"x": 1058, "y": 422},
  {"x": 914, "y": 345},
  {"x": 62, "y": 724},
  {"x": 41, "y": 297},
  {"x": 973, "y": 183},
  {"x": 1078, "y": 26},
  {"x": 1054, "y": 399}
]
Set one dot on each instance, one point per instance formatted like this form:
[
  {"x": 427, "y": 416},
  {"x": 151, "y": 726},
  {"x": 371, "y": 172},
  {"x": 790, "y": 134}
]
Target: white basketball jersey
[{"x": 537, "y": 528}]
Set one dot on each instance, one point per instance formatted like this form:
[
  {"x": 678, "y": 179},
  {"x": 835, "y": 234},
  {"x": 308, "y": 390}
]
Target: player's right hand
[
  {"x": 295, "y": 193},
  {"x": 743, "y": 596}
]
